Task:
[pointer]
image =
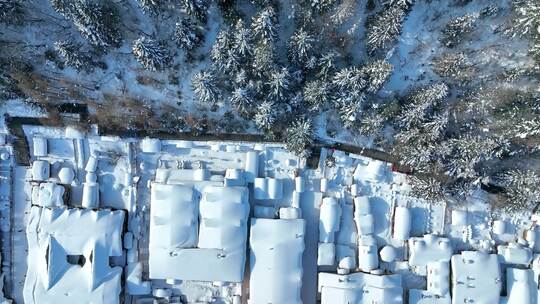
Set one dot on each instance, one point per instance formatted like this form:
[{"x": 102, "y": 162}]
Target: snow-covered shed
[
  {"x": 438, "y": 285},
  {"x": 476, "y": 278},
  {"x": 68, "y": 256},
  {"x": 268, "y": 188},
  {"x": 329, "y": 219},
  {"x": 430, "y": 248},
  {"x": 515, "y": 253},
  {"x": 360, "y": 288},
  {"x": 276, "y": 261},
  {"x": 402, "y": 223},
  {"x": 182, "y": 248}
]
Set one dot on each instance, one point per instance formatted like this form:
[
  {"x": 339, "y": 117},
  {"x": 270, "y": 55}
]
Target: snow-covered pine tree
[
  {"x": 301, "y": 47},
  {"x": 266, "y": 115},
  {"x": 10, "y": 11},
  {"x": 467, "y": 152},
  {"x": 242, "y": 100},
  {"x": 196, "y": 8},
  {"x": 377, "y": 73},
  {"x": 427, "y": 188},
  {"x": 419, "y": 104},
  {"x": 97, "y": 21},
  {"x": 278, "y": 84},
  {"x": 456, "y": 30},
  {"x": 243, "y": 40},
  {"x": 350, "y": 107},
  {"x": 534, "y": 51},
  {"x": 73, "y": 56},
  {"x": 349, "y": 79},
  {"x": 187, "y": 34},
  {"x": 224, "y": 56},
  {"x": 402, "y": 3},
  {"x": 264, "y": 24},
  {"x": 316, "y": 94},
  {"x": 264, "y": 58},
  {"x": 371, "y": 123},
  {"x": 454, "y": 65},
  {"x": 322, "y": 5},
  {"x": 150, "y": 53},
  {"x": 527, "y": 21},
  {"x": 327, "y": 64},
  {"x": 385, "y": 27},
  {"x": 300, "y": 137},
  {"x": 152, "y": 6},
  {"x": 522, "y": 190},
  {"x": 205, "y": 87}
]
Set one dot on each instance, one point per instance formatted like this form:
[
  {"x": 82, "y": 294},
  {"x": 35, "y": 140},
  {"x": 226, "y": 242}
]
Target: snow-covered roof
[
  {"x": 360, "y": 288},
  {"x": 276, "y": 261},
  {"x": 476, "y": 277},
  {"x": 68, "y": 256},
  {"x": 402, "y": 223},
  {"x": 515, "y": 253},
  {"x": 216, "y": 252},
  {"x": 429, "y": 248},
  {"x": 520, "y": 286}
]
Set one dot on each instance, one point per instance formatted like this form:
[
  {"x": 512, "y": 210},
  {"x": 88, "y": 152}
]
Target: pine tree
[
  {"x": 195, "y": 8},
  {"x": 402, "y": 3},
  {"x": 205, "y": 87},
  {"x": 427, "y": 188},
  {"x": 522, "y": 190},
  {"x": 264, "y": 58},
  {"x": 454, "y": 65},
  {"x": 243, "y": 40},
  {"x": 456, "y": 30},
  {"x": 467, "y": 152},
  {"x": 264, "y": 24},
  {"x": 278, "y": 84},
  {"x": 385, "y": 27},
  {"x": 350, "y": 108},
  {"x": 527, "y": 21},
  {"x": 420, "y": 103},
  {"x": 152, "y": 6},
  {"x": 322, "y": 5},
  {"x": 301, "y": 47},
  {"x": 73, "y": 56},
  {"x": 151, "y": 54},
  {"x": 242, "y": 100},
  {"x": 97, "y": 21},
  {"x": 266, "y": 116},
  {"x": 10, "y": 11},
  {"x": 187, "y": 34},
  {"x": 371, "y": 123},
  {"x": 316, "y": 94},
  {"x": 223, "y": 54},
  {"x": 327, "y": 64},
  {"x": 300, "y": 137},
  {"x": 349, "y": 79},
  {"x": 377, "y": 73}
]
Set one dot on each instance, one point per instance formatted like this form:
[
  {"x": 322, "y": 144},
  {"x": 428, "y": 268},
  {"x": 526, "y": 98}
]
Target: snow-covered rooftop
[
  {"x": 276, "y": 260},
  {"x": 476, "y": 278},
  {"x": 360, "y": 288},
  {"x": 68, "y": 258},
  {"x": 192, "y": 239}
]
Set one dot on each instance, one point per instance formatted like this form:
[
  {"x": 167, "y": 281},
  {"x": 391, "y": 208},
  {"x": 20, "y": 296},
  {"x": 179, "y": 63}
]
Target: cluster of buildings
[{"x": 112, "y": 220}]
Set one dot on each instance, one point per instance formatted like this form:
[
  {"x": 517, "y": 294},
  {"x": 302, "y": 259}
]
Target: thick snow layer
[
  {"x": 68, "y": 256},
  {"x": 180, "y": 248},
  {"x": 276, "y": 261},
  {"x": 476, "y": 276},
  {"x": 360, "y": 288}
]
